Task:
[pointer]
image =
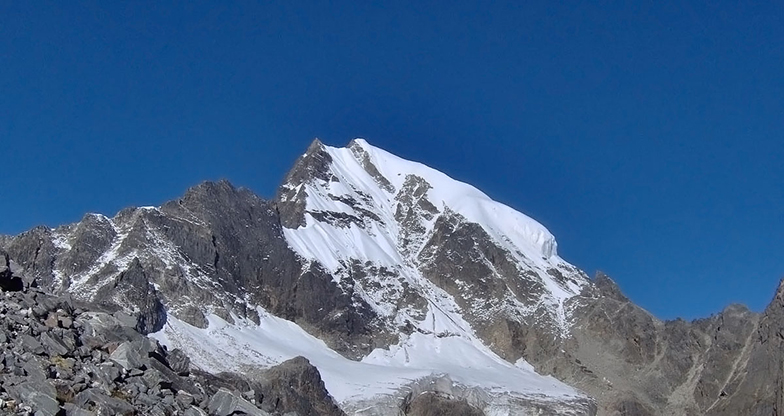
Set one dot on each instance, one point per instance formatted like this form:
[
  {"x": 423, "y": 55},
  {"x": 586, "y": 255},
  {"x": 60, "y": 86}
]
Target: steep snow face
[
  {"x": 371, "y": 176},
  {"x": 380, "y": 222},
  {"x": 518, "y": 231}
]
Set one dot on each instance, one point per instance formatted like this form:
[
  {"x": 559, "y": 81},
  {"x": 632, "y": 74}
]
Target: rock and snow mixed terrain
[
  {"x": 384, "y": 377},
  {"x": 408, "y": 290},
  {"x": 60, "y": 356},
  {"x": 383, "y": 212}
]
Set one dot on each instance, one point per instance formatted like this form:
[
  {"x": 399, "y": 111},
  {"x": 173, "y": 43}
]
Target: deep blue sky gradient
[{"x": 647, "y": 136}]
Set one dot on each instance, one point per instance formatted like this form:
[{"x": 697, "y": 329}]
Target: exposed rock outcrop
[
  {"x": 635, "y": 364},
  {"x": 294, "y": 385},
  {"x": 10, "y": 278},
  {"x": 434, "y": 404}
]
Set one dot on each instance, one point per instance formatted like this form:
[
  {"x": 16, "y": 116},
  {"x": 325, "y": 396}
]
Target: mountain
[{"x": 408, "y": 290}]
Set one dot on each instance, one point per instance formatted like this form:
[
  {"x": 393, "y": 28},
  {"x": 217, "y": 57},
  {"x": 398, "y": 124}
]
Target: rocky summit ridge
[{"x": 409, "y": 293}]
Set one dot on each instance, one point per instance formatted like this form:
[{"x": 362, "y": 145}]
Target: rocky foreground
[{"x": 59, "y": 356}]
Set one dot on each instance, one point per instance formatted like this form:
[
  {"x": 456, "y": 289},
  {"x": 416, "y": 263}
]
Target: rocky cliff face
[
  {"x": 753, "y": 383},
  {"x": 394, "y": 279},
  {"x": 634, "y": 363}
]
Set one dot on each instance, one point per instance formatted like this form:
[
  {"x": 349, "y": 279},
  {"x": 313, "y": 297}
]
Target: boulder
[
  {"x": 226, "y": 402},
  {"x": 179, "y": 362},
  {"x": 40, "y": 395},
  {"x": 127, "y": 356},
  {"x": 103, "y": 404}
]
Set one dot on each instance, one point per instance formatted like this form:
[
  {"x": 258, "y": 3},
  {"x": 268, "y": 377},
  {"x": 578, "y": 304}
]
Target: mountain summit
[
  {"x": 407, "y": 289},
  {"x": 400, "y": 233}
]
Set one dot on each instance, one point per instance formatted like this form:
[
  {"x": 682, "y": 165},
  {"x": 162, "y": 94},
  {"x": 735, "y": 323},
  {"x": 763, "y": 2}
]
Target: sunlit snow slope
[
  {"x": 330, "y": 244},
  {"x": 384, "y": 374}
]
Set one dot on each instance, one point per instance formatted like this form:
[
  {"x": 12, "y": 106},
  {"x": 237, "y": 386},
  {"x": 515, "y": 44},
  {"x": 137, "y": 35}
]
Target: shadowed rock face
[
  {"x": 35, "y": 252},
  {"x": 133, "y": 287},
  {"x": 92, "y": 236},
  {"x": 295, "y": 385},
  {"x": 314, "y": 164},
  {"x": 9, "y": 280}
]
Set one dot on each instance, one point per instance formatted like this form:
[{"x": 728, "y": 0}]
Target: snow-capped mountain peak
[
  {"x": 394, "y": 279},
  {"x": 360, "y": 207}
]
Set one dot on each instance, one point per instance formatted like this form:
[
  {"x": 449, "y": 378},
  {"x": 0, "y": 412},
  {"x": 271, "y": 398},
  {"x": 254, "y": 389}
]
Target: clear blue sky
[{"x": 648, "y": 136}]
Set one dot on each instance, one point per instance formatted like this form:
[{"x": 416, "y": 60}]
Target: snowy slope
[
  {"x": 245, "y": 346},
  {"x": 516, "y": 231}
]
